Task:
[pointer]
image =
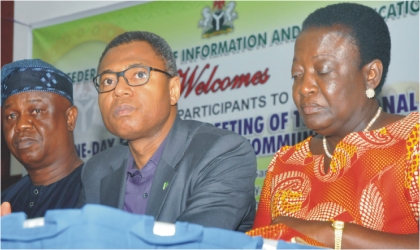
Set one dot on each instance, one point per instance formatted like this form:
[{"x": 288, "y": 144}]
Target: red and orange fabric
[{"x": 373, "y": 182}]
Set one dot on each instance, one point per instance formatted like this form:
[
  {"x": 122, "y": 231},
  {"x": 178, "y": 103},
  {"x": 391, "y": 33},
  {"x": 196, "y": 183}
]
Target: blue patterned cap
[{"x": 34, "y": 75}]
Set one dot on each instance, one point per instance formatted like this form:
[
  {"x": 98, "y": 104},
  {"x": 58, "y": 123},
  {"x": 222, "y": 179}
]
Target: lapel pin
[{"x": 165, "y": 185}]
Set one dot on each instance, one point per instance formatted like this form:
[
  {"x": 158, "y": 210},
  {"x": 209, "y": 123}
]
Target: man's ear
[
  {"x": 373, "y": 71},
  {"x": 174, "y": 89},
  {"x": 71, "y": 114}
]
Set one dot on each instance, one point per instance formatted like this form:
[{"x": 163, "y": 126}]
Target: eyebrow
[
  {"x": 316, "y": 56},
  {"x": 29, "y": 101},
  {"x": 328, "y": 55},
  {"x": 129, "y": 66},
  {"x": 35, "y": 100}
]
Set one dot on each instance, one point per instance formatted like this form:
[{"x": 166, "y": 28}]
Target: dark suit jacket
[{"x": 210, "y": 172}]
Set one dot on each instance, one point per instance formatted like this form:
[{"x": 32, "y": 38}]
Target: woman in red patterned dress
[{"x": 360, "y": 170}]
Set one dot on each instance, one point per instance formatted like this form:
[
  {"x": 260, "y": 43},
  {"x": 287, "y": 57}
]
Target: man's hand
[{"x": 6, "y": 208}]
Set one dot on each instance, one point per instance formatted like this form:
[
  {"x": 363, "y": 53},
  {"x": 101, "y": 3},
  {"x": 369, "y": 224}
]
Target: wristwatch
[{"x": 338, "y": 233}]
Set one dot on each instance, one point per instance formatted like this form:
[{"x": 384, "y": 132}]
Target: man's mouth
[
  {"x": 24, "y": 142},
  {"x": 123, "y": 110}
]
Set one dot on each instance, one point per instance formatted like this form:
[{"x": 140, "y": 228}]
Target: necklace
[{"x": 324, "y": 141}]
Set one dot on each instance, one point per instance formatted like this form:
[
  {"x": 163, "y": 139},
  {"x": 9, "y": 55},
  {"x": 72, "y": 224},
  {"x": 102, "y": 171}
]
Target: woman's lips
[
  {"x": 123, "y": 110},
  {"x": 311, "y": 109}
]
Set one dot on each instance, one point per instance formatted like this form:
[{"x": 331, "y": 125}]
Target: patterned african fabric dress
[{"x": 373, "y": 181}]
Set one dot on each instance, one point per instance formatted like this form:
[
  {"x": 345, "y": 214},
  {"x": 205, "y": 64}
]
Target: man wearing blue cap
[{"x": 38, "y": 119}]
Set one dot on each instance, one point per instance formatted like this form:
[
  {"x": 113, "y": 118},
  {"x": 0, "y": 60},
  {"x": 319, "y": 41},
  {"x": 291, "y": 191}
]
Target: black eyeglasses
[{"x": 133, "y": 76}]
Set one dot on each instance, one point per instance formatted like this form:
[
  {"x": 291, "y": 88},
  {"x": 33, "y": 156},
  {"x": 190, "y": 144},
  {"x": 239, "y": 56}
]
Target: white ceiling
[{"x": 35, "y": 14}]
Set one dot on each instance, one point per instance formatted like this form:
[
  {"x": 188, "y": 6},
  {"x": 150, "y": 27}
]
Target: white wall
[{"x": 36, "y": 14}]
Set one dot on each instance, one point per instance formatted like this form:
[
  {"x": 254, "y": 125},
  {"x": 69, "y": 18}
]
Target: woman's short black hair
[
  {"x": 159, "y": 45},
  {"x": 364, "y": 25}
]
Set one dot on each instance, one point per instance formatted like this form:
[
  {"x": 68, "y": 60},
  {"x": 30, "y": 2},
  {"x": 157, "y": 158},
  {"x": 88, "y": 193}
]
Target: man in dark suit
[{"x": 171, "y": 169}]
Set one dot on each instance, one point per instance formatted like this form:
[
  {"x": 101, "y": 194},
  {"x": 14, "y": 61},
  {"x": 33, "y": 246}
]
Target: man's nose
[
  {"x": 122, "y": 87},
  {"x": 23, "y": 122}
]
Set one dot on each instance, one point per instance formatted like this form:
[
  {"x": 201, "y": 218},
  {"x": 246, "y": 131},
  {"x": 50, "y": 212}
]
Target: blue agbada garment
[
  {"x": 34, "y": 75},
  {"x": 34, "y": 200}
]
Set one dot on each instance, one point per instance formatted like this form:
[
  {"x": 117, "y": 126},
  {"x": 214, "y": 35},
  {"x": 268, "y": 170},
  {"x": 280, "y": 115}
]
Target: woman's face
[{"x": 328, "y": 88}]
